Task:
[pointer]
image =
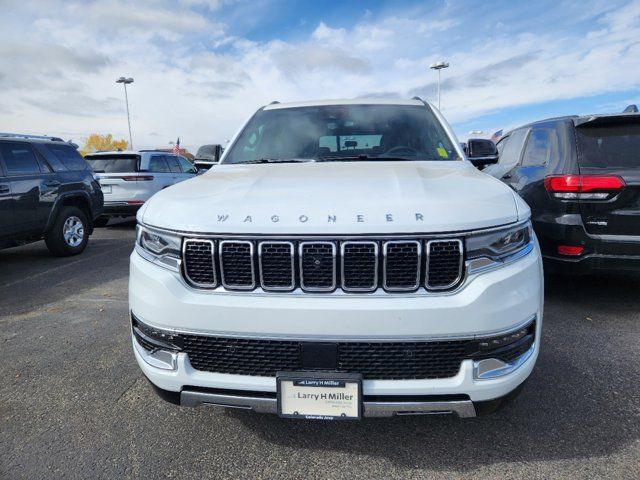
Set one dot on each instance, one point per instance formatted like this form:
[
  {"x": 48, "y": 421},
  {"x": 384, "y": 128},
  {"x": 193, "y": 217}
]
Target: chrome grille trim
[
  {"x": 307, "y": 288},
  {"x": 408, "y": 288},
  {"x": 342, "y": 268},
  {"x": 292, "y": 252},
  {"x": 221, "y": 245},
  {"x": 213, "y": 261},
  {"x": 460, "y": 263}
]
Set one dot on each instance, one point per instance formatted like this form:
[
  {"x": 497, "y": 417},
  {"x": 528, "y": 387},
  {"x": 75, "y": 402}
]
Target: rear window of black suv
[
  {"x": 67, "y": 156},
  {"x": 609, "y": 146}
]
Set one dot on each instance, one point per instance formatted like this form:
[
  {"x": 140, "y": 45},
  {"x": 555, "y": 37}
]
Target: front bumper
[{"x": 489, "y": 303}]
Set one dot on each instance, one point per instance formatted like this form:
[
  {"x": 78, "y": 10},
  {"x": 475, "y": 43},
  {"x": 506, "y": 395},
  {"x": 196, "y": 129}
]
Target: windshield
[
  {"x": 113, "y": 163},
  {"x": 609, "y": 146},
  {"x": 343, "y": 132}
]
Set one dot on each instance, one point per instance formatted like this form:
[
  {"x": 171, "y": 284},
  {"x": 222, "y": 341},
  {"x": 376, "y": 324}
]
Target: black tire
[
  {"x": 77, "y": 230},
  {"x": 101, "y": 222}
]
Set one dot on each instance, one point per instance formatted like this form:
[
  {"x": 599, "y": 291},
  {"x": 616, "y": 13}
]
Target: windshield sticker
[{"x": 442, "y": 152}]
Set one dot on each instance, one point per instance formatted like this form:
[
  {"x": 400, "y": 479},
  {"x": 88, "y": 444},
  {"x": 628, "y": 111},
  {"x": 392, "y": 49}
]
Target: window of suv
[
  {"x": 68, "y": 156},
  {"x": 158, "y": 164},
  {"x": 118, "y": 163},
  {"x": 186, "y": 165},
  {"x": 511, "y": 150},
  {"x": 609, "y": 146},
  {"x": 542, "y": 146},
  {"x": 174, "y": 165},
  {"x": 19, "y": 159},
  {"x": 398, "y": 132}
]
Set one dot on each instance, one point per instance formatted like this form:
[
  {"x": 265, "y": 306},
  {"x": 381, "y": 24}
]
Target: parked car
[
  {"x": 207, "y": 156},
  {"x": 581, "y": 177},
  {"x": 47, "y": 191},
  {"x": 129, "y": 179},
  {"x": 342, "y": 260}
]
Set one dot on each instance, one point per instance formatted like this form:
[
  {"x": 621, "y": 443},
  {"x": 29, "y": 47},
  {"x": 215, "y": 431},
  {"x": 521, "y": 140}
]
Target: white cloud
[{"x": 198, "y": 77}]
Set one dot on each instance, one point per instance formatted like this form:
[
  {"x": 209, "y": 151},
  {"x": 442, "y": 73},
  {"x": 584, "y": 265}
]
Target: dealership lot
[{"x": 73, "y": 402}]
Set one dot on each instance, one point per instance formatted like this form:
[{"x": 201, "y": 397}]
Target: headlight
[
  {"x": 160, "y": 248},
  {"x": 499, "y": 243}
]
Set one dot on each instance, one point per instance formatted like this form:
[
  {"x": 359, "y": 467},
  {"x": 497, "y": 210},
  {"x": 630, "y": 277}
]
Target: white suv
[
  {"x": 128, "y": 179},
  {"x": 344, "y": 260}
]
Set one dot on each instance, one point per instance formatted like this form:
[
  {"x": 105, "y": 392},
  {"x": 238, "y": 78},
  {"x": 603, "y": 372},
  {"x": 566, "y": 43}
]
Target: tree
[{"x": 96, "y": 142}]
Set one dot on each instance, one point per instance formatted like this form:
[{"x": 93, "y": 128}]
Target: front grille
[
  {"x": 199, "y": 261},
  {"x": 444, "y": 264},
  {"x": 374, "y": 360},
  {"x": 322, "y": 266},
  {"x": 236, "y": 264},
  {"x": 359, "y": 266}
]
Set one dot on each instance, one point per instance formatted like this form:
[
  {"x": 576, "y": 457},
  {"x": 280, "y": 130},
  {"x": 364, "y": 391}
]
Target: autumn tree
[{"x": 96, "y": 142}]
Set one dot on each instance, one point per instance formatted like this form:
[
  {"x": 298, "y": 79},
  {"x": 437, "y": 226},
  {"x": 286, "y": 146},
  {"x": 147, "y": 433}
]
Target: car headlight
[
  {"x": 160, "y": 248},
  {"x": 499, "y": 243}
]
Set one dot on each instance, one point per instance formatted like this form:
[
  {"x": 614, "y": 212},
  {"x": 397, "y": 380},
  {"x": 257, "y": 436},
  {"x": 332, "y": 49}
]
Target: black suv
[
  {"x": 47, "y": 191},
  {"x": 581, "y": 177}
]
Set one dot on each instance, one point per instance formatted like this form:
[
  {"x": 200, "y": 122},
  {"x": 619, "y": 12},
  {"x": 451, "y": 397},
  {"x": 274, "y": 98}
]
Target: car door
[
  {"x": 188, "y": 169},
  {"x": 540, "y": 152},
  {"x": 510, "y": 155},
  {"x": 174, "y": 167},
  {"x": 162, "y": 175},
  {"x": 27, "y": 185},
  {"x": 6, "y": 216}
]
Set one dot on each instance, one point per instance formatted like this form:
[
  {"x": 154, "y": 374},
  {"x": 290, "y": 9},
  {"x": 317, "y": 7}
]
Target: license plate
[
  {"x": 319, "y": 396},
  {"x": 106, "y": 188}
]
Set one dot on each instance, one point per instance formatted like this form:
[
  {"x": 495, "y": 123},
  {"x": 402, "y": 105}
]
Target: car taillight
[
  {"x": 570, "y": 250},
  {"x": 583, "y": 187},
  {"x": 137, "y": 178}
]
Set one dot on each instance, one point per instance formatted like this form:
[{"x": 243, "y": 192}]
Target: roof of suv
[{"x": 353, "y": 101}]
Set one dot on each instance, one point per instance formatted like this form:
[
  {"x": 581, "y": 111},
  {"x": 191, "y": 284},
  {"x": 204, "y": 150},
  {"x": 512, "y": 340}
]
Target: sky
[{"x": 201, "y": 67}]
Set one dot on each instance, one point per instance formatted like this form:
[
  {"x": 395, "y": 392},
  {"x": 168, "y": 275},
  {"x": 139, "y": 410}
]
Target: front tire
[{"x": 69, "y": 234}]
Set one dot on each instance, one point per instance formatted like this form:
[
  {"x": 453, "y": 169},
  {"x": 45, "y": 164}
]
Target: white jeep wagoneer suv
[{"x": 343, "y": 260}]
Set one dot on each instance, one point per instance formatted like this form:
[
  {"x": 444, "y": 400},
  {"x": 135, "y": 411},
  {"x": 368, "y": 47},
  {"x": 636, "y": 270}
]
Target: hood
[{"x": 335, "y": 197}]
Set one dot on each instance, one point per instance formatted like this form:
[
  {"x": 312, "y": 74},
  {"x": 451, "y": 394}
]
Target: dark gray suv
[{"x": 47, "y": 191}]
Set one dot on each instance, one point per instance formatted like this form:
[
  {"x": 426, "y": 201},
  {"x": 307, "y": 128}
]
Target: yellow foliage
[{"x": 96, "y": 142}]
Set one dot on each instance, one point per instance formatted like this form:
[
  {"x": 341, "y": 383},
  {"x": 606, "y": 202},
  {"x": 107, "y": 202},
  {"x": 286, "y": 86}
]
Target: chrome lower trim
[
  {"x": 462, "y": 408},
  {"x": 162, "y": 359},
  {"x": 491, "y": 368}
]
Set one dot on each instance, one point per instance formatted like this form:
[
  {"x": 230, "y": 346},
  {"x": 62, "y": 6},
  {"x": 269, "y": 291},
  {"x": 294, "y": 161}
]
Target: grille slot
[
  {"x": 199, "y": 265},
  {"x": 444, "y": 263},
  {"x": 402, "y": 265},
  {"x": 318, "y": 266},
  {"x": 277, "y": 265},
  {"x": 236, "y": 264},
  {"x": 359, "y": 266}
]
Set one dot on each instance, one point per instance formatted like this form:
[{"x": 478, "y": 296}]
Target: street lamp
[
  {"x": 126, "y": 81},
  {"x": 439, "y": 66}
]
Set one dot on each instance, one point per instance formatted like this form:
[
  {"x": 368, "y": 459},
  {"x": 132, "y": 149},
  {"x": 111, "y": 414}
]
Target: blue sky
[{"x": 202, "y": 66}]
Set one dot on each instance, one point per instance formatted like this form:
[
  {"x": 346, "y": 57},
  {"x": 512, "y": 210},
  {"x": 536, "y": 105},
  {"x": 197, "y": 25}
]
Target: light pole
[
  {"x": 125, "y": 82},
  {"x": 439, "y": 66}
]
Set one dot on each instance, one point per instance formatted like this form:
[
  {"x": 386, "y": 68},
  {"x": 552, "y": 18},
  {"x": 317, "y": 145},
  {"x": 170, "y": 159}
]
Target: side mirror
[{"x": 482, "y": 152}]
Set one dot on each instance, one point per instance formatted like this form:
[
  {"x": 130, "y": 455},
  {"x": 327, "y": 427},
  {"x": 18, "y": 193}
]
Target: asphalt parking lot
[{"x": 73, "y": 403}]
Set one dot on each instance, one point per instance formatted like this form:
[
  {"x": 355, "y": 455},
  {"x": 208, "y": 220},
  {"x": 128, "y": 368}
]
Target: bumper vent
[{"x": 355, "y": 266}]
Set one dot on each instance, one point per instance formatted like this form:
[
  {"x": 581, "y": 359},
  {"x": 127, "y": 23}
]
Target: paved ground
[{"x": 73, "y": 403}]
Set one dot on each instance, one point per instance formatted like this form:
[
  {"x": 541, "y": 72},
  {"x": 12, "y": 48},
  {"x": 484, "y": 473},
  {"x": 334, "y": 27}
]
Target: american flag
[
  {"x": 176, "y": 147},
  {"x": 496, "y": 136}
]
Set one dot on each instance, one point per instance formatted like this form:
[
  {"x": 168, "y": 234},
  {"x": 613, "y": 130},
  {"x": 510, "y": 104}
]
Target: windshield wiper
[
  {"x": 363, "y": 157},
  {"x": 279, "y": 160}
]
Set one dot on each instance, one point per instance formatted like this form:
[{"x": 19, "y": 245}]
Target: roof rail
[
  {"x": 36, "y": 137},
  {"x": 631, "y": 109}
]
